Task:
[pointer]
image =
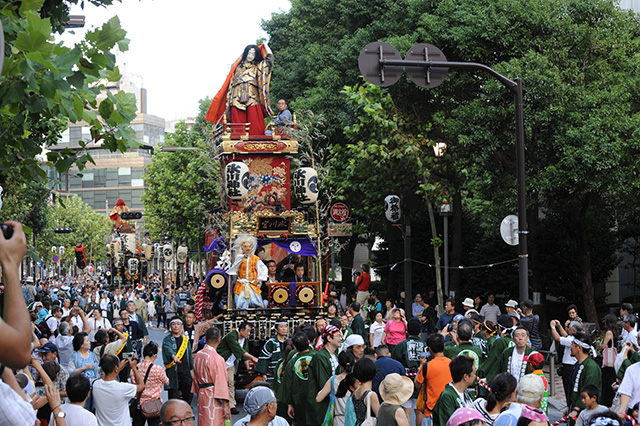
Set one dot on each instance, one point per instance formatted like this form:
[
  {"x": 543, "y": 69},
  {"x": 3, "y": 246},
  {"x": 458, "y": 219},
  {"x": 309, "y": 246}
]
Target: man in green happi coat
[
  {"x": 177, "y": 356},
  {"x": 323, "y": 365},
  {"x": 514, "y": 360},
  {"x": 455, "y": 394},
  {"x": 295, "y": 379},
  {"x": 272, "y": 351},
  {"x": 586, "y": 372}
]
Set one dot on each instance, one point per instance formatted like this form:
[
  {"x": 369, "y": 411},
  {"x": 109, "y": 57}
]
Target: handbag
[
  {"x": 151, "y": 409},
  {"x": 368, "y": 420},
  {"x": 350, "y": 418},
  {"x": 328, "y": 417},
  {"x": 421, "y": 404},
  {"x": 609, "y": 355}
]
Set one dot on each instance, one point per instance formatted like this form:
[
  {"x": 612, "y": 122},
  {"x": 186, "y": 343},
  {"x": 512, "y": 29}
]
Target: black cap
[{"x": 527, "y": 303}]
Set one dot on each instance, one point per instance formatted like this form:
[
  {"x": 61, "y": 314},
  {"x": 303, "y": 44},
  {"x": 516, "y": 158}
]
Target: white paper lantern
[
  {"x": 148, "y": 251},
  {"x": 119, "y": 260},
  {"x": 133, "y": 264},
  {"x": 305, "y": 185},
  {"x": 182, "y": 253},
  {"x": 167, "y": 252},
  {"x": 392, "y": 208},
  {"x": 236, "y": 180}
]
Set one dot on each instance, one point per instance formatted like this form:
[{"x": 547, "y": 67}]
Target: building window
[{"x": 124, "y": 171}]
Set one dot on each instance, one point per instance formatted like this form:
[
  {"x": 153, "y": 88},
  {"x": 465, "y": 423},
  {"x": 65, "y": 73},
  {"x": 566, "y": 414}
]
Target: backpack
[{"x": 44, "y": 328}]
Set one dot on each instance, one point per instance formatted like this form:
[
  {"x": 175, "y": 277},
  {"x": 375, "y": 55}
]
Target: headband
[
  {"x": 329, "y": 330},
  {"x": 581, "y": 343},
  {"x": 175, "y": 320},
  {"x": 604, "y": 421}
]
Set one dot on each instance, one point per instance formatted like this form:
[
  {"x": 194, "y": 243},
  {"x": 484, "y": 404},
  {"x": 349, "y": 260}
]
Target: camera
[
  {"x": 128, "y": 355},
  {"x": 7, "y": 231},
  {"x": 450, "y": 327}
]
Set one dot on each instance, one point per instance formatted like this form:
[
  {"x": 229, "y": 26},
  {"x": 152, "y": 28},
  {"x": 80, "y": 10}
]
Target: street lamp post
[{"x": 446, "y": 210}]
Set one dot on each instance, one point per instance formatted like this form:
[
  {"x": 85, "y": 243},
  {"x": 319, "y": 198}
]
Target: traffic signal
[
  {"x": 131, "y": 215},
  {"x": 81, "y": 259},
  {"x": 62, "y": 230}
]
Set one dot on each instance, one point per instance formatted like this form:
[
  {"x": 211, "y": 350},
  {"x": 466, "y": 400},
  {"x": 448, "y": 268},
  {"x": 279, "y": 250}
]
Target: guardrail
[{"x": 552, "y": 369}]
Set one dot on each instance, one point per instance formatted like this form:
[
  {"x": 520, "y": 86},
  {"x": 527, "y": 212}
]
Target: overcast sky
[{"x": 182, "y": 49}]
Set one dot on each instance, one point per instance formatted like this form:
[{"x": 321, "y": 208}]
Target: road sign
[
  {"x": 339, "y": 212},
  {"x": 370, "y": 67},
  {"x": 340, "y": 229},
  {"x": 55, "y": 258},
  {"x": 509, "y": 230},
  {"x": 429, "y": 77}
]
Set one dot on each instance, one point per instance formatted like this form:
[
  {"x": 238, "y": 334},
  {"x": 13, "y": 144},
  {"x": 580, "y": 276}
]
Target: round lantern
[
  {"x": 236, "y": 177},
  {"x": 181, "y": 253},
  {"x": 167, "y": 252},
  {"x": 392, "y": 208},
  {"x": 305, "y": 185},
  {"x": 133, "y": 264}
]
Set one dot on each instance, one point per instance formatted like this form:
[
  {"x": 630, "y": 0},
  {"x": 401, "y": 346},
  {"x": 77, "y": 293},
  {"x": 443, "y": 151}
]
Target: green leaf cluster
[{"x": 45, "y": 85}]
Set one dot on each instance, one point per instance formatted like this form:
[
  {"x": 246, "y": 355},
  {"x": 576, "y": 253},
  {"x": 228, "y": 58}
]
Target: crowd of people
[{"x": 89, "y": 360}]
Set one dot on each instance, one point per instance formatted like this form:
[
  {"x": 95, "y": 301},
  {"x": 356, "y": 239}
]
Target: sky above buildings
[{"x": 182, "y": 50}]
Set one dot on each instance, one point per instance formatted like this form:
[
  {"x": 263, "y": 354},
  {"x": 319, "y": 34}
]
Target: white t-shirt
[
  {"x": 567, "y": 358},
  {"x": 377, "y": 330},
  {"x": 102, "y": 324},
  {"x": 76, "y": 416},
  {"x": 516, "y": 364},
  {"x": 630, "y": 385},
  {"x": 53, "y": 323},
  {"x": 632, "y": 337},
  {"x": 77, "y": 321},
  {"x": 112, "y": 402}
]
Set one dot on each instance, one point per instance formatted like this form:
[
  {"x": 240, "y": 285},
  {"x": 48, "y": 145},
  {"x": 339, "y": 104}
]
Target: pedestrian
[
  {"x": 395, "y": 391},
  {"x": 323, "y": 364},
  {"x": 346, "y": 361},
  {"x": 110, "y": 397},
  {"x": 295, "y": 381},
  {"x": 272, "y": 351},
  {"x": 447, "y": 316},
  {"x": 376, "y": 330},
  {"x": 357, "y": 322},
  {"x": 432, "y": 377},
  {"x": 531, "y": 323},
  {"x": 83, "y": 360},
  {"x": 565, "y": 339},
  {"x": 261, "y": 406},
  {"x": 77, "y": 388},
  {"x": 362, "y": 286},
  {"x": 530, "y": 391},
  {"x": 490, "y": 311},
  {"x": 395, "y": 331},
  {"x": 589, "y": 396},
  {"x": 154, "y": 377},
  {"x": 502, "y": 394},
  {"x": 176, "y": 412},
  {"x": 455, "y": 394},
  {"x": 210, "y": 382},
  {"x": 513, "y": 360},
  {"x": 365, "y": 402},
  {"x": 408, "y": 354},
  {"x": 609, "y": 354},
  {"x": 177, "y": 357},
  {"x": 586, "y": 372},
  {"x": 234, "y": 347}
]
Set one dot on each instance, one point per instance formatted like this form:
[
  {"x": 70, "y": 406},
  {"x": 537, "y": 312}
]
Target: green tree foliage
[
  {"x": 182, "y": 186},
  {"x": 45, "y": 85},
  {"x": 579, "y": 63},
  {"x": 90, "y": 229}
]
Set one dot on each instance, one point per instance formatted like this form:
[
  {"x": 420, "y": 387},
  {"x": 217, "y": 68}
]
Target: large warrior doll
[
  {"x": 244, "y": 96},
  {"x": 251, "y": 273}
]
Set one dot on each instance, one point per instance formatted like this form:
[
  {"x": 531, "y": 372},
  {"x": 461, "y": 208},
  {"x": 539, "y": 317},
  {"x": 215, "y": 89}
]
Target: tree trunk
[
  {"x": 584, "y": 260},
  {"x": 436, "y": 255},
  {"x": 455, "y": 274},
  {"x": 346, "y": 262}
]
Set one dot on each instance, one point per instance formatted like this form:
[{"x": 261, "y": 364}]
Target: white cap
[
  {"x": 511, "y": 304},
  {"x": 29, "y": 279}
]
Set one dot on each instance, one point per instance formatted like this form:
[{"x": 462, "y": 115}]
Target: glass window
[
  {"x": 124, "y": 171},
  {"x": 87, "y": 175},
  {"x": 137, "y": 172},
  {"x": 100, "y": 197},
  {"x": 124, "y": 180},
  {"x": 74, "y": 182},
  {"x": 99, "y": 178},
  {"x": 137, "y": 182},
  {"x": 136, "y": 201},
  {"x": 125, "y": 194}
]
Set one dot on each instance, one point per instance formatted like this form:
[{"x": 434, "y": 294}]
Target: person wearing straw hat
[{"x": 395, "y": 391}]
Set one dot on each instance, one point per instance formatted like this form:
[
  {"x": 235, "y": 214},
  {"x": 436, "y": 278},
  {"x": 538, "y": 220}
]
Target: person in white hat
[
  {"x": 354, "y": 344},
  {"x": 467, "y": 304},
  {"x": 395, "y": 391},
  {"x": 512, "y": 307}
]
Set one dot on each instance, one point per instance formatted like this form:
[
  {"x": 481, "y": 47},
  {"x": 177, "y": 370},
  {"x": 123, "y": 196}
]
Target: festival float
[{"x": 256, "y": 171}]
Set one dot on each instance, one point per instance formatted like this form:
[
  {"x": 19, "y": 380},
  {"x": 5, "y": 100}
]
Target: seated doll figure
[{"x": 250, "y": 271}]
